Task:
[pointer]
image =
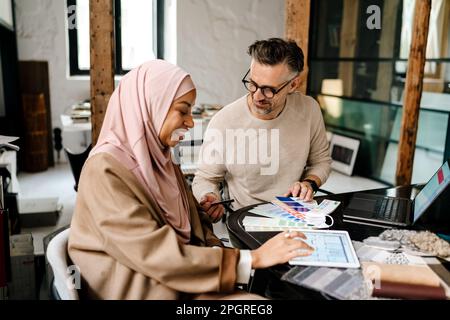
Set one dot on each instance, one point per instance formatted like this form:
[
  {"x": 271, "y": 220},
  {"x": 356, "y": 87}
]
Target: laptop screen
[{"x": 431, "y": 190}]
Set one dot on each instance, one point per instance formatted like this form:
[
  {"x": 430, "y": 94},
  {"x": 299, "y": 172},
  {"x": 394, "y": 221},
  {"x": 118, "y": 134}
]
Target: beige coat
[{"x": 125, "y": 250}]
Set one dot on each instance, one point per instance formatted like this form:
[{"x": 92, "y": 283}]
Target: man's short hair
[{"x": 275, "y": 51}]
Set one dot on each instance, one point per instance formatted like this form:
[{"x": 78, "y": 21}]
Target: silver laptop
[{"x": 392, "y": 211}]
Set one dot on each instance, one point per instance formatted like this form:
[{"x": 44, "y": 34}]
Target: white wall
[
  {"x": 41, "y": 35},
  {"x": 209, "y": 39},
  {"x": 213, "y": 37}
]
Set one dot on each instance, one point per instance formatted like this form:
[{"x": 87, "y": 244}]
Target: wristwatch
[{"x": 313, "y": 184}]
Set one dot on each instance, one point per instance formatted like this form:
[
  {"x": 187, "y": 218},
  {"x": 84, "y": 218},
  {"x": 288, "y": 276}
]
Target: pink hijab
[{"x": 134, "y": 118}]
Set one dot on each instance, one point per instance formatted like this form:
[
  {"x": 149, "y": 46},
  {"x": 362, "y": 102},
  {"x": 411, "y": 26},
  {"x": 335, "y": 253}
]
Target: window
[
  {"x": 6, "y": 14},
  {"x": 138, "y": 34},
  {"x": 358, "y": 76}
]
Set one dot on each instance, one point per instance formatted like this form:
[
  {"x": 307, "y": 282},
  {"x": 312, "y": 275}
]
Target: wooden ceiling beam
[
  {"x": 297, "y": 28},
  {"x": 413, "y": 93},
  {"x": 102, "y": 61}
]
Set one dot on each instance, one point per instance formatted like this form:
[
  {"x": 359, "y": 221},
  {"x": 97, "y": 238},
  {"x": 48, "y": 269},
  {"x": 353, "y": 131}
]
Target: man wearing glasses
[{"x": 271, "y": 104}]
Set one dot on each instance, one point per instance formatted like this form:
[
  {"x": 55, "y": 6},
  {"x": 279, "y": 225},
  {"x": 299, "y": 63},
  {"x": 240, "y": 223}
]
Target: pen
[{"x": 222, "y": 202}]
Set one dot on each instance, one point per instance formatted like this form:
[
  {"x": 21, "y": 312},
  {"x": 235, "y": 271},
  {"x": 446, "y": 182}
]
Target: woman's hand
[
  {"x": 280, "y": 249},
  {"x": 214, "y": 212}
]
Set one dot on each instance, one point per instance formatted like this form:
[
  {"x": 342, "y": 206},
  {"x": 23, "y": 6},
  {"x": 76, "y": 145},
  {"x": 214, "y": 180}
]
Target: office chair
[
  {"x": 76, "y": 162},
  {"x": 58, "y": 259}
]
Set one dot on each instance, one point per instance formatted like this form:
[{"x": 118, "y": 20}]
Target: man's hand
[
  {"x": 214, "y": 212},
  {"x": 280, "y": 249},
  {"x": 303, "y": 190}
]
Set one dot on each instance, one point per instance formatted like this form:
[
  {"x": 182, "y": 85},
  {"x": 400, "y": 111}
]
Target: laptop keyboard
[{"x": 387, "y": 209}]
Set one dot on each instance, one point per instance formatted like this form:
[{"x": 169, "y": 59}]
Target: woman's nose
[{"x": 189, "y": 122}]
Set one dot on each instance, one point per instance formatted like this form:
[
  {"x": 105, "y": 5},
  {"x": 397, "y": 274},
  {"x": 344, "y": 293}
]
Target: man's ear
[{"x": 295, "y": 84}]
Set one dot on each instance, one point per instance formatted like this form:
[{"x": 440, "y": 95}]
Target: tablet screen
[{"x": 332, "y": 249}]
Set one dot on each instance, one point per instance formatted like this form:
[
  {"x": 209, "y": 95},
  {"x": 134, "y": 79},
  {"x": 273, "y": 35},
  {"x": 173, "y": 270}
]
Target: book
[
  {"x": 338, "y": 283},
  {"x": 301, "y": 209}
]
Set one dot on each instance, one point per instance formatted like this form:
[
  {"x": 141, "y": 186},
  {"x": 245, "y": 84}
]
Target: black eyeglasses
[{"x": 267, "y": 92}]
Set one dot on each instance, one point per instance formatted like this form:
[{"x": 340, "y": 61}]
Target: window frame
[
  {"x": 317, "y": 56},
  {"x": 158, "y": 36}
]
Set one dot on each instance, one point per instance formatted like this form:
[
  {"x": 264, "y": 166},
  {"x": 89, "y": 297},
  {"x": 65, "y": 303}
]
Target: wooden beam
[
  {"x": 413, "y": 92},
  {"x": 102, "y": 61},
  {"x": 347, "y": 46},
  {"x": 297, "y": 28}
]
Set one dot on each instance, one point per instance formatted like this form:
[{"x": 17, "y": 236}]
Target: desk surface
[
  {"x": 357, "y": 232},
  {"x": 252, "y": 240}
]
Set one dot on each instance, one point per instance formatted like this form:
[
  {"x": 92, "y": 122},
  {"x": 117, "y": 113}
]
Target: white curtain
[
  {"x": 407, "y": 25},
  {"x": 406, "y": 34},
  {"x": 434, "y": 33}
]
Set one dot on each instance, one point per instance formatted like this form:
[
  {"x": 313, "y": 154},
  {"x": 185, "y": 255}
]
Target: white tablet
[{"x": 332, "y": 249}]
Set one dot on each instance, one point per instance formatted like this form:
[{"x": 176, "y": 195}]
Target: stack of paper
[
  {"x": 286, "y": 214},
  {"x": 272, "y": 218},
  {"x": 254, "y": 224},
  {"x": 272, "y": 211},
  {"x": 300, "y": 209},
  {"x": 339, "y": 283}
]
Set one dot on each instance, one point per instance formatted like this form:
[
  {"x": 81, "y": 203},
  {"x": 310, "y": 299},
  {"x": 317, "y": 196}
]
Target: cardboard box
[
  {"x": 23, "y": 274},
  {"x": 39, "y": 212}
]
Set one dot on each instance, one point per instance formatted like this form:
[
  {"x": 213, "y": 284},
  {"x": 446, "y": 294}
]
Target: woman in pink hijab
[{"x": 137, "y": 232}]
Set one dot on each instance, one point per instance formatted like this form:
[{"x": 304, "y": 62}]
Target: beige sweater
[
  {"x": 125, "y": 250},
  {"x": 263, "y": 167}
]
